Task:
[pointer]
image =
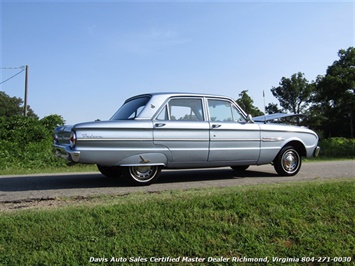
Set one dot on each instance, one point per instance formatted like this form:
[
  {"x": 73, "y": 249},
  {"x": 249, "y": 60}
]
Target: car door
[
  {"x": 232, "y": 138},
  {"x": 183, "y": 129}
]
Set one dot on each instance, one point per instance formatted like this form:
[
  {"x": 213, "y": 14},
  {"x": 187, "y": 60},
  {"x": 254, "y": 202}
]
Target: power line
[{"x": 22, "y": 69}]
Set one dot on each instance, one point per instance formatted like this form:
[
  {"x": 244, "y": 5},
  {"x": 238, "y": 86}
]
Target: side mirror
[{"x": 250, "y": 118}]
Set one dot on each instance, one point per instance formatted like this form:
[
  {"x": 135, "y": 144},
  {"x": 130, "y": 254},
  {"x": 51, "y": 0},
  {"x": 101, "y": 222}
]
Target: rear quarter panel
[{"x": 109, "y": 143}]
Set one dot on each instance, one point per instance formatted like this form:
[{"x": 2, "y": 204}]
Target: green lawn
[
  {"x": 48, "y": 170},
  {"x": 309, "y": 220}
]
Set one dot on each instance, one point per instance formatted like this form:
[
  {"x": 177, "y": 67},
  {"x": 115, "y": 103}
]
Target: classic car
[{"x": 182, "y": 130}]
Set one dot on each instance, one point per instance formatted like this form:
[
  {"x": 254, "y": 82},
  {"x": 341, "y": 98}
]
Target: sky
[{"x": 85, "y": 58}]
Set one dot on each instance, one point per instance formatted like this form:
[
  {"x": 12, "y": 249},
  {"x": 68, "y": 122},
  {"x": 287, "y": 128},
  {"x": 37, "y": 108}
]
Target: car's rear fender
[{"x": 144, "y": 159}]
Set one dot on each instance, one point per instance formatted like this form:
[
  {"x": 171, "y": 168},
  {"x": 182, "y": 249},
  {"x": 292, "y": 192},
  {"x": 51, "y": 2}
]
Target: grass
[
  {"x": 313, "y": 219},
  {"x": 49, "y": 170}
]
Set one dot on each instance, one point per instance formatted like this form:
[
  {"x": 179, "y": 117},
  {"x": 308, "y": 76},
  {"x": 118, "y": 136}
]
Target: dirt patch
[
  {"x": 40, "y": 203},
  {"x": 27, "y": 204},
  {"x": 56, "y": 203}
]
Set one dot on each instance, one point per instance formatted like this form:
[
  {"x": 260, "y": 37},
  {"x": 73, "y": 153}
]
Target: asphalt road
[{"x": 27, "y": 188}]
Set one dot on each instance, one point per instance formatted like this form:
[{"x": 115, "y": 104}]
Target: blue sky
[{"x": 86, "y": 57}]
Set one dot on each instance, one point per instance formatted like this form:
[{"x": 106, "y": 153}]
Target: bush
[
  {"x": 337, "y": 148},
  {"x": 26, "y": 142}
]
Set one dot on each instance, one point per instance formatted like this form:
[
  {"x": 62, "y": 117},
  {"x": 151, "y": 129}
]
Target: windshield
[{"x": 131, "y": 109}]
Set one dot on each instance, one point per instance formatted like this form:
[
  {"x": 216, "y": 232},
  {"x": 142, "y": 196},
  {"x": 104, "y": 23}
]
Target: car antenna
[{"x": 264, "y": 107}]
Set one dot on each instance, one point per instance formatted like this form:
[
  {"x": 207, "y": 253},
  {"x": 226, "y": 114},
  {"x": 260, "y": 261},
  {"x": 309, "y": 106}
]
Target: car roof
[
  {"x": 158, "y": 98},
  {"x": 174, "y": 94}
]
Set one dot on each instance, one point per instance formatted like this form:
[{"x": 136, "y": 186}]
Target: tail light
[
  {"x": 72, "y": 139},
  {"x": 55, "y": 138}
]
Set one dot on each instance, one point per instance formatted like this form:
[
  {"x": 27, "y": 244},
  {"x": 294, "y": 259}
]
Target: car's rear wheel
[
  {"x": 240, "y": 168},
  {"x": 288, "y": 162},
  {"x": 142, "y": 175},
  {"x": 110, "y": 171}
]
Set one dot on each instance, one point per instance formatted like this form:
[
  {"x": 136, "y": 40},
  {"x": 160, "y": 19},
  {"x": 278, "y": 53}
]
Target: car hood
[{"x": 271, "y": 117}]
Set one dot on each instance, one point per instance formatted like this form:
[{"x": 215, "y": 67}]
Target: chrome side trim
[
  {"x": 172, "y": 139},
  {"x": 112, "y": 139},
  {"x": 206, "y": 139},
  {"x": 215, "y": 139},
  {"x": 289, "y": 131},
  {"x": 272, "y": 139}
]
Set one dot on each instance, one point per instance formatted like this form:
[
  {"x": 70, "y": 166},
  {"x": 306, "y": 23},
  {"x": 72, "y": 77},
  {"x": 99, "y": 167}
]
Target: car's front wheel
[
  {"x": 110, "y": 171},
  {"x": 142, "y": 175},
  {"x": 288, "y": 162}
]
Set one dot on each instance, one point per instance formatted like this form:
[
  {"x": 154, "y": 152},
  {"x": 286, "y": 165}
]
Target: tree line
[{"x": 328, "y": 103}]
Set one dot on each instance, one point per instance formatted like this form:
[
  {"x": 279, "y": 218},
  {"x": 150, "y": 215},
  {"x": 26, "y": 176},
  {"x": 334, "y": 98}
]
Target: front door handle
[
  {"x": 159, "y": 125},
  {"x": 214, "y": 126}
]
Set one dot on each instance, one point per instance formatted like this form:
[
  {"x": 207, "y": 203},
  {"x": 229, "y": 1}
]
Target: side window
[
  {"x": 220, "y": 111},
  {"x": 224, "y": 111},
  {"x": 182, "y": 109}
]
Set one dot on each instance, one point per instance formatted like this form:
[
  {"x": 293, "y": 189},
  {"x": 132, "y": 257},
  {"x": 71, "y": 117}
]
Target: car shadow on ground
[
  {"x": 193, "y": 175},
  {"x": 96, "y": 180}
]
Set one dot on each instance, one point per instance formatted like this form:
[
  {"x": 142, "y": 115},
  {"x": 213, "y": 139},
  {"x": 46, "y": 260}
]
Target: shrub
[
  {"x": 337, "y": 147},
  {"x": 25, "y": 142}
]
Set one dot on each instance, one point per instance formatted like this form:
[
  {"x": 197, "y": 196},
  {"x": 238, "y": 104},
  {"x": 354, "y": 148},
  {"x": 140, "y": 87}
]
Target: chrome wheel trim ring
[
  {"x": 143, "y": 173},
  {"x": 290, "y": 161}
]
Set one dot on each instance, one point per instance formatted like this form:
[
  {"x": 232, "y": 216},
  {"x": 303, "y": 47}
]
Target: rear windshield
[{"x": 131, "y": 109}]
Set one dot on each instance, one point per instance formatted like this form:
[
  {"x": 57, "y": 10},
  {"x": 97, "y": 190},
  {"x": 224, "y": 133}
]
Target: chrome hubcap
[
  {"x": 290, "y": 161},
  {"x": 142, "y": 173}
]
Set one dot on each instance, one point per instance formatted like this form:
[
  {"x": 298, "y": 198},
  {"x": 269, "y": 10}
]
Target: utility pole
[{"x": 26, "y": 90}]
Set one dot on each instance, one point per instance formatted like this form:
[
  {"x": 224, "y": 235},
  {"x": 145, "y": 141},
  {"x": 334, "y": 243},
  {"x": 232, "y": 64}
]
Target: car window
[
  {"x": 182, "y": 109},
  {"x": 224, "y": 111},
  {"x": 131, "y": 109}
]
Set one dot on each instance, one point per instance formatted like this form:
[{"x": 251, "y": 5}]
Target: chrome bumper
[
  {"x": 66, "y": 153},
  {"x": 316, "y": 151}
]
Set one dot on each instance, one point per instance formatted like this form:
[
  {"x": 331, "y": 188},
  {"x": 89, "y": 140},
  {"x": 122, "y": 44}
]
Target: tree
[
  {"x": 334, "y": 96},
  {"x": 50, "y": 122},
  {"x": 273, "y": 108},
  {"x": 10, "y": 106},
  {"x": 294, "y": 93},
  {"x": 246, "y": 102}
]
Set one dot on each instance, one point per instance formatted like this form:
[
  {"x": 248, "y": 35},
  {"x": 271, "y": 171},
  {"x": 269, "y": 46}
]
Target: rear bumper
[{"x": 66, "y": 153}]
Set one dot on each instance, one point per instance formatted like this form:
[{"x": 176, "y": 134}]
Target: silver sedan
[{"x": 183, "y": 130}]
